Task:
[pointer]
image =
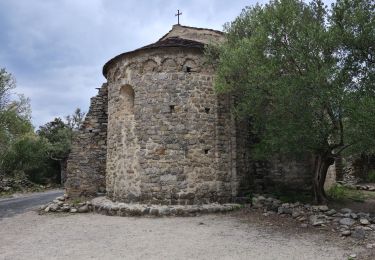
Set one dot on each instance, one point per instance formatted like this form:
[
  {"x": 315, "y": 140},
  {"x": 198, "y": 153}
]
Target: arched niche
[
  {"x": 168, "y": 65},
  {"x": 149, "y": 66},
  {"x": 130, "y": 68},
  {"x": 116, "y": 75},
  {"x": 127, "y": 97}
]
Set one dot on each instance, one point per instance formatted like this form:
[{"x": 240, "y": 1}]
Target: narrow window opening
[
  {"x": 206, "y": 151},
  {"x": 207, "y": 110},
  {"x": 90, "y": 131},
  {"x": 171, "y": 109},
  {"x": 187, "y": 69}
]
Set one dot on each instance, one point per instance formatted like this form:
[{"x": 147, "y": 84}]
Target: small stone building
[{"x": 158, "y": 133}]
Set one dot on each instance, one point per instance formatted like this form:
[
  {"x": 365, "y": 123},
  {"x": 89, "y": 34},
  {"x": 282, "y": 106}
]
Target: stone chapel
[{"x": 158, "y": 133}]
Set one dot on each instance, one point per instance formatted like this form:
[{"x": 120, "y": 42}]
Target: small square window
[
  {"x": 207, "y": 110},
  {"x": 187, "y": 69},
  {"x": 206, "y": 151}
]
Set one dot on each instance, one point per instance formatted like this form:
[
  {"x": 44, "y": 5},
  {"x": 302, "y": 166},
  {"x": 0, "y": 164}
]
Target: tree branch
[{"x": 343, "y": 148}]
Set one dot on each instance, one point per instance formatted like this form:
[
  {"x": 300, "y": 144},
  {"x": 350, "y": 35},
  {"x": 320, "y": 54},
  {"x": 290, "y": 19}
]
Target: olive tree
[{"x": 304, "y": 75}]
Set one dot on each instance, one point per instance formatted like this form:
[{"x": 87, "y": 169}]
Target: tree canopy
[
  {"x": 39, "y": 156},
  {"x": 304, "y": 75},
  {"x": 14, "y": 111}
]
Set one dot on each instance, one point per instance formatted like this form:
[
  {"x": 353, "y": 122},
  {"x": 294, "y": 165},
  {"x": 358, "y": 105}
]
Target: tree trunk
[
  {"x": 339, "y": 167},
  {"x": 322, "y": 163}
]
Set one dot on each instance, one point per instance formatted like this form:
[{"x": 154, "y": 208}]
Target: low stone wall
[{"x": 105, "y": 206}]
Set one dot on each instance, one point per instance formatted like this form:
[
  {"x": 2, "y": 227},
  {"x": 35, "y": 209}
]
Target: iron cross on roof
[{"x": 178, "y": 16}]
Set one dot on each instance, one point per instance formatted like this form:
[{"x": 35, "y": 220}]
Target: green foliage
[
  {"x": 41, "y": 156},
  {"x": 303, "y": 75},
  {"x": 339, "y": 192},
  {"x": 371, "y": 176},
  {"x": 59, "y": 136},
  {"x": 7, "y": 83},
  {"x": 14, "y": 112},
  {"x": 76, "y": 201},
  {"x": 28, "y": 155},
  {"x": 16, "y": 131},
  {"x": 12, "y": 126},
  {"x": 75, "y": 120}
]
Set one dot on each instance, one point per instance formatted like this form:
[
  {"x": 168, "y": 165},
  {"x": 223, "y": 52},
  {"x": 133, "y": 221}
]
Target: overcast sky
[{"x": 56, "y": 48}]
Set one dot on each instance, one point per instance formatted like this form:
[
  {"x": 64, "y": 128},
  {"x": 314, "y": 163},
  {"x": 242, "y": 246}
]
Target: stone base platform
[{"x": 103, "y": 205}]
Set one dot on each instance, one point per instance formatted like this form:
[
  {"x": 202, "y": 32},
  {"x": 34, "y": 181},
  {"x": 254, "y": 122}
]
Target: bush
[
  {"x": 337, "y": 192},
  {"x": 28, "y": 155},
  {"x": 371, "y": 176}
]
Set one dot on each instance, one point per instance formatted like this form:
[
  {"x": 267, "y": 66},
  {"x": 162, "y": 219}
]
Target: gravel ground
[{"x": 93, "y": 236}]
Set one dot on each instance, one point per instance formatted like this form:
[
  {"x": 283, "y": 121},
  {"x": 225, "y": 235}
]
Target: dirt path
[{"x": 91, "y": 236}]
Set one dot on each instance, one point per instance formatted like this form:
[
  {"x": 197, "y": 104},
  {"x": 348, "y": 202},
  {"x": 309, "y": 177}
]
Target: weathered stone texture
[
  {"x": 171, "y": 138},
  {"x": 174, "y": 146},
  {"x": 197, "y": 34},
  {"x": 281, "y": 174},
  {"x": 87, "y": 159}
]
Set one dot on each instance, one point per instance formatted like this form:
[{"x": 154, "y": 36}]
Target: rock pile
[
  {"x": 368, "y": 187},
  {"x": 345, "y": 221},
  {"x": 62, "y": 204},
  {"x": 10, "y": 184},
  {"x": 359, "y": 186}
]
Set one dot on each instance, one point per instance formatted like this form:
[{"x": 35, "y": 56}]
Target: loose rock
[
  {"x": 346, "y": 233},
  {"x": 358, "y": 233},
  {"x": 317, "y": 220},
  {"x": 347, "y": 221},
  {"x": 83, "y": 209},
  {"x": 364, "y": 221}
]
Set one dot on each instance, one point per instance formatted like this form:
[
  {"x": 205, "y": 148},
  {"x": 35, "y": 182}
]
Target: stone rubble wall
[
  {"x": 351, "y": 170},
  {"x": 87, "y": 159},
  {"x": 275, "y": 175},
  {"x": 356, "y": 168},
  {"x": 281, "y": 174}
]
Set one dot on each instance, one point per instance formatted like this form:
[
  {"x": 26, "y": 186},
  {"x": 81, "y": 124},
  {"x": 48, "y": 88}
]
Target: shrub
[
  {"x": 371, "y": 176},
  {"x": 337, "y": 192}
]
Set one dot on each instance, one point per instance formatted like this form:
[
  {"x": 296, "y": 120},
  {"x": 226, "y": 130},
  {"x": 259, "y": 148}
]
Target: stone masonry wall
[
  {"x": 172, "y": 144},
  {"x": 170, "y": 138},
  {"x": 277, "y": 174},
  {"x": 87, "y": 159}
]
